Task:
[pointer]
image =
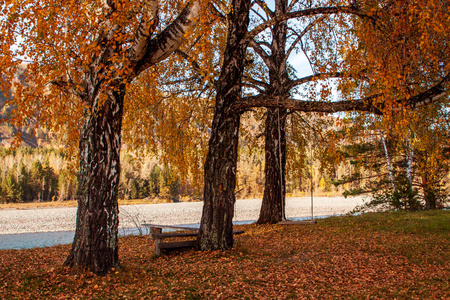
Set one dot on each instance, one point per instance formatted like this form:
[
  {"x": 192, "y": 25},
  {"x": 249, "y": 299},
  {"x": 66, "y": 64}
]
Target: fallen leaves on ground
[{"x": 378, "y": 256}]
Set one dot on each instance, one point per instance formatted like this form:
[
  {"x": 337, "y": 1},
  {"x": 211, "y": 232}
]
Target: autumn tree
[
  {"x": 215, "y": 232},
  {"x": 83, "y": 57},
  {"x": 220, "y": 166},
  {"x": 401, "y": 55},
  {"x": 274, "y": 46},
  {"x": 403, "y": 165},
  {"x": 321, "y": 60},
  {"x": 176, "y": 103}
]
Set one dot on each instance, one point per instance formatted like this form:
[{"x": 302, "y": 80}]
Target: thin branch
[
  {"x": 291, "y": 6},
  {"x": 261, "y": 52},
  {"x": 311, "y": 65},
  {"x": 259, "y": 15},
  {"x": 302, "y": 13},
  {"x": 192, "y": 61},
  {"x": 68, "y": 88},
  {"x": 310, "y": 126},
  {"x": 182, "y": 80},
  {"x": 314, "y": 77},
  {"x": 217, "y": 13},
  {"x": 431, "y": 95},
  {"x": 301, "y": 35},
  {"x": 264, "y": 7},
  {"x": 222, "y": 6},
  {"x": 256, "y": 82},
  {"x": 252, "y": 86}
]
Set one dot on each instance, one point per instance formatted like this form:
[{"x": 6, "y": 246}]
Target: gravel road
[{"x": 14, "y": 221}]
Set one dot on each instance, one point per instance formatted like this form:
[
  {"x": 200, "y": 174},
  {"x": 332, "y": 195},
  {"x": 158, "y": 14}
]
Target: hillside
[{"x": 8, "y": 131}]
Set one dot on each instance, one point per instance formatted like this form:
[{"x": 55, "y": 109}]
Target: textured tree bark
[
  {"x": 428, "y": 194},
  {"x": 388, "y": 162},
  {"x": 274, "y": 198},
  {"x": 95, "y": 245},
  {"x": 216, "y": 228}
]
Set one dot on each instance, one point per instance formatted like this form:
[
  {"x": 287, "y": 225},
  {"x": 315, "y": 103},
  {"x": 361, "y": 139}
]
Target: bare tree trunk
[
  {"x": 216, "y": 228},
  {"x": 95, "y": 245},
  {"x": 429, "y": 194},
  {"x": 388, "y": 162},
  {"x": 274, "y": 198},
  {"x": 409, "y": 162}
]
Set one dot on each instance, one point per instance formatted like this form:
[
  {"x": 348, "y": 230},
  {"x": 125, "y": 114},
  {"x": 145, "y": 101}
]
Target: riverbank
[
  {"x": 16, "y": 221},
  {"x": 399, "y": 255}
]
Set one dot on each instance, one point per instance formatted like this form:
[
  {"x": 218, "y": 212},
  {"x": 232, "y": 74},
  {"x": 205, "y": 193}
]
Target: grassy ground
[{"x": 373, "y": 256}]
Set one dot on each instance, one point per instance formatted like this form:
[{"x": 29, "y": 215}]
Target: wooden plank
[
  {"x": 183, "y": 234},
  {"x": 172, "y": 234},
  {"x": 181, "y": 228},
  {"x": 175, "y": 245},
  {"x": 155, "y": 230},
  {"x": 170, "y": 227}
]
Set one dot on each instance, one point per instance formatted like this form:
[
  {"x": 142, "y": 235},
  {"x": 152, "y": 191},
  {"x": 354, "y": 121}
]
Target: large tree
[
  {"x": 284, "y": 38},
  {"x": 220, "y": 166},
  {"x": 83, "y": 56},
  {"x": 273, "y": 202},
  {"x": 216, "y": 226}
]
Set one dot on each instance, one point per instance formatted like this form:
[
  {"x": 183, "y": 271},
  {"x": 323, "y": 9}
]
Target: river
[{"x": 45, "y": 227}]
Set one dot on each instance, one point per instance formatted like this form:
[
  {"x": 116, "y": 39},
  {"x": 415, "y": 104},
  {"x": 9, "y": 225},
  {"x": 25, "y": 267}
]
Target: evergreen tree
[{"x": 11, "y": 189}]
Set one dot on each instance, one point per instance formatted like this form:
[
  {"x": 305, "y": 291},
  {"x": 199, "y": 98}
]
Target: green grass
[{"x": 435, "y": 222}]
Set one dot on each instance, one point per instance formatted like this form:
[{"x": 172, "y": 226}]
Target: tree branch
[
  {"x": 260, "y": 51},
  {"x": 314, "y": 77},
  {"x": 170, "y": 39},
  {"x": 264, "y": 7},
  {"x": 253, "y": 83},
  {"x": 431, "y": 95},
  {"x": 192, "y": 61},
  {"x": 222, "y": 6},
  {"x": 217, "y": 13},
  {"x": 367, "y": 104},
  {"x": 258, "y": 14},
  {"x": 146, "y": 26},
  {"x": 300, "y": 36},
  {"x": 302, "y": 13}
]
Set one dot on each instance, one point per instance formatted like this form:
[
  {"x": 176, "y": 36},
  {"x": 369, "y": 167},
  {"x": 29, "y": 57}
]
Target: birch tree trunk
[
  {"x": 216, "y": 228},
  {"x": 95, "y": 244},
  {"x": 388, "y": 162},
  {"x": 274, "y": 197},
  {"x": 409, "y": 162}
]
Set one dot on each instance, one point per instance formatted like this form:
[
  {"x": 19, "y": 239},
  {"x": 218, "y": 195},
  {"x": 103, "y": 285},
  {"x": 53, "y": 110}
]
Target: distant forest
[{"x": 43, "y": 174}]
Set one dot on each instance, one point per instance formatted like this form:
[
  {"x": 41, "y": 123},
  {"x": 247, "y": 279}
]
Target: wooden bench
[{"x": 157, "y": 234}]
